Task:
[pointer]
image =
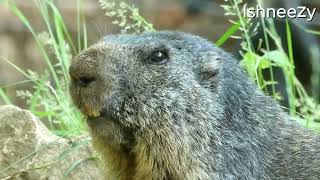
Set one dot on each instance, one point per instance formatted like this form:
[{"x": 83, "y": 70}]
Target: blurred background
[{"x": 202, "y": 17}]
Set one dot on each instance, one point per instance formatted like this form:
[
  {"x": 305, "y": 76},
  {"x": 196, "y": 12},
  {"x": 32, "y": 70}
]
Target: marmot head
[{"x": 125, "y": 83}]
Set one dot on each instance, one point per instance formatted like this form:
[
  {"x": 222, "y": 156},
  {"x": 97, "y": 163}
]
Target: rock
[{"x": 28, "y": 150}]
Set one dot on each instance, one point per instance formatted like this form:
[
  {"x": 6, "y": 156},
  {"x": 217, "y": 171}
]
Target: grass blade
[
  {"x": 231, "y": 30},
  {"x": 290, "y": 84},
  {"x": 4, "y": 97},
  {"x": 13, "y": 8},
  {"x": 77, "y": 163}
]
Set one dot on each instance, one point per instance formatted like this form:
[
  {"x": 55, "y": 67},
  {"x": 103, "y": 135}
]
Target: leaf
[
  {"x": 4, "y": 97},
  {"x": 264, "y": 63},
  {"x": 278, "y": 57},
  {"x": 232, "y": 30}
]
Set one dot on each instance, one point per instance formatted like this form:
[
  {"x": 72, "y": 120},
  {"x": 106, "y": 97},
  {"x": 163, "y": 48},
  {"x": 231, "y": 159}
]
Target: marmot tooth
[
  {"x": 91, "y": 112},
  {"x": 95, "y": 113}
]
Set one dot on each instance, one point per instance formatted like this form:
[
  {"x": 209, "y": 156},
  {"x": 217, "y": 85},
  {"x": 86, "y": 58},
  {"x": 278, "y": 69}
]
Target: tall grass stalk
[
  {"x": 291, "y": 77},
  {"x": 267, "y": 43},
  {"x": 81, "y": 27},
  {"x": 5, "y": 97},
  {"x": 228, "y": 34},
  {"x": 255, "y": 64},
  {"x": 50, "y": 99}
]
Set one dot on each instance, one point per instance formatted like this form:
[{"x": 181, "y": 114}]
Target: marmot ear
[{"x": 208, "y": 74}]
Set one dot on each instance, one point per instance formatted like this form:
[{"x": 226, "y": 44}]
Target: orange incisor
[{"x": 91, "y": 112}]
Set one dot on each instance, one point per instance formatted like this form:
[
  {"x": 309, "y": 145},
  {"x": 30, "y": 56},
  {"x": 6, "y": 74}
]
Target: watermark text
[{"x": 299, "y": 12}]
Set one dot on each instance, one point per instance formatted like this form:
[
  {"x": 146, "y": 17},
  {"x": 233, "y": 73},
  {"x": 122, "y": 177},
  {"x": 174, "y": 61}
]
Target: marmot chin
[{"x": 171, "y": 105}]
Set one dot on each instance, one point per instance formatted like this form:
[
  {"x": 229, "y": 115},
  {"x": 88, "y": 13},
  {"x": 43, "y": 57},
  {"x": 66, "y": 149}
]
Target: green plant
[
  {"x": 4, "y": 97},
  {"x": 255, "y": 61},
  {"x": 126, "y": 16},
  {"x": 74, "y": 146},
  {"x": 49, "y": 98}
]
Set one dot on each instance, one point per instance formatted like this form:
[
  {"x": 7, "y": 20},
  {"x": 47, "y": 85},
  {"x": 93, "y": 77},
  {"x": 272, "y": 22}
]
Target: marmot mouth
[
  {"x": 106, "y": 112},
  {"x": 95, "y": 118},
  {"x": 101, "y": 118},
  {"x": 95, "y": 113},
  {"x": 92, "y": 114},
  {"x": 88, "y": 111}
]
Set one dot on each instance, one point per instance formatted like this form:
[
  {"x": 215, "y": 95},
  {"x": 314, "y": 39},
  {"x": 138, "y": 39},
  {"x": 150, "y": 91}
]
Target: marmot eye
[{"x": 158, "y": 57}]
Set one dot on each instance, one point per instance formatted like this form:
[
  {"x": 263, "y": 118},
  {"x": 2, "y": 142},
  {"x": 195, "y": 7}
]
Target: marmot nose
[
  {"x": 81, "y": 76},
  {"x": 84, "y": 81}
]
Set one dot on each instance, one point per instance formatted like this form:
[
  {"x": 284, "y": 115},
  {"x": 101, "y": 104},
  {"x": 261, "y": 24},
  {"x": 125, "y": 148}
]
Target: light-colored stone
[{"x": 28, "y": 150}]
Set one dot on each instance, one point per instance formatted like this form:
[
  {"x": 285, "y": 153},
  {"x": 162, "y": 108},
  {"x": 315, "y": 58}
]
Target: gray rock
[{"x": 28, "y": 150}]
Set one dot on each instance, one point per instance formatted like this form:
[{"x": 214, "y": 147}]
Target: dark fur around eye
[{"x": 158, "y": 57}]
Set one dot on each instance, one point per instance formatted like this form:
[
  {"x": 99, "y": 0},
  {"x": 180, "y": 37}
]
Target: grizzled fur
[{"x": 197, "y": 116}]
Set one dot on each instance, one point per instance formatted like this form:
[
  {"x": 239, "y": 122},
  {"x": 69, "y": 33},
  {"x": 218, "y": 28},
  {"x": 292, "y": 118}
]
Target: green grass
[
  {"x": 291, "y": 77},
  {"x": 49, "y": 98},
  {"x": 301, "y": 106},
  {"x": 228, "y": 34},
  {"x": 5, "y": 97}
]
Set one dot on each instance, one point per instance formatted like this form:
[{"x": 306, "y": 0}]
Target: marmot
[{"x": 171, "y": 105}]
